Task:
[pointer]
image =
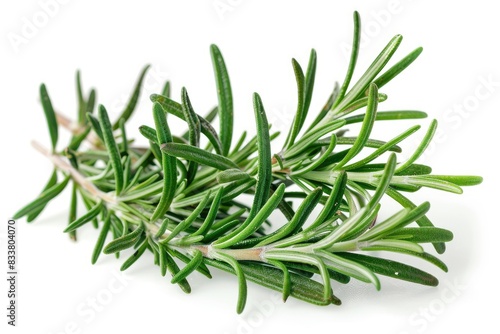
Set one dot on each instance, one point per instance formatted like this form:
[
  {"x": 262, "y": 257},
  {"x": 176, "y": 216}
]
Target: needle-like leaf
[
  {"x": 353, "y": 59},
  {"x": 175, "y": 109},
  {"x": 50, "y": 116},
  {"x": 102, "y": 238},
  {"x": 392, "y": 269},
  {"x": 189, "y": 268},
  {"x": 225, "y": 98},
  {"x": 168, "y": 163},
  {"x": 242, "y": 282},
  {"x": 371, "y": 111},
  {"x": 397, "y": 68},
  {"x": 51, "y": 182},
  {"x": 91, "y": 214},
  {"x": 42, "y": 200},
  {"x": 134, "y": 257},
  {"x": 194, "y": 132},
  {"x": 198, "y": 155},
  {"x": 114, "y": 153},
  {"x": 134, "y": 98},
  {"x": 124, "y": 242},
  {"x": 264, "y": 176}
]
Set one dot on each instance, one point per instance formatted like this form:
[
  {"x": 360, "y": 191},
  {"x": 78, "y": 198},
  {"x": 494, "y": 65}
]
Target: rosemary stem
[
  {"x": 249, "y": 254},
  {"x": 75, "y": 129},
  {"x": 68, "y": 124},
  {"x": 76, "y": 175}
]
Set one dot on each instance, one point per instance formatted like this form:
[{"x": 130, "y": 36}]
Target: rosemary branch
[
  {"x": 75, "y": 174},
  {"x": 185, "y": 203}
]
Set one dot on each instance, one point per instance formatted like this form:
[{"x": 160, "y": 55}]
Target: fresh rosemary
[{"x": 183, "y": 202}]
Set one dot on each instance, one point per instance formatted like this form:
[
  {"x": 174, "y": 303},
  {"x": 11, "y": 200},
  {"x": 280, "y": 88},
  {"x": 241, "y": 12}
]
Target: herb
[{"x": 183, "y": 202}]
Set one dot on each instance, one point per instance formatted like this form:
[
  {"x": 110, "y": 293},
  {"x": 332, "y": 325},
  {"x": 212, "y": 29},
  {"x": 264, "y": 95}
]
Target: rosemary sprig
[{"x": 184, "y": 202}]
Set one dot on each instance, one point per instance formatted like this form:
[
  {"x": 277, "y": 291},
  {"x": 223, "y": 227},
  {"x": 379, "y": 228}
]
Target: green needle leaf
[
  {"x": 194, "y": 132},
  {"x": 166, "y": 89},
  {"x": 360, "y": 103},
  {"x": 426, "y": 181},
  {"x": 51, "y": 182},
  {"x": 392, "y": 246},
  {"x": 163, "y": 228},
  {"x": 42, "y": 200},
  {"x": 384, "y": 181},
  {"x": 125, "y": 241},
  {"x": 77, "y": 140},
  {"x": 264, "y": 176},
  {"x": 333, "y": 202},
  {"x": 366, "y": 129},
  {"x": 134, "y": 98},
  {"x": 366, "y": 79},
  {"x": 73, "y": 209},
  {"x": 225, "y": 98},
  {"x": 423, "y": 221},
  {"x": 175, "y": 109},
  {"x": 220, "y": 231},
  {"x": 342, "y": 230},
  {"x": 112, "y": 147},
  {"x": 81, "y": 100},
  {"x": 382, "y": 149},
  {"x": 429, "y": 258},
  {"x": 320, "y": 160},
  {"x": 305, "y": 85},
  {"x": 389, "y": 115},
  {"x": 311, "y": 138},
  {"x": 459, "y": 180},
  {"x": 202, "y": 268},
  {"x": 392, "y": 269},
  {"x": 94, "y": 123},
  {"x": 50, "y": 115},
  {"x": 230, "y": 175},
  {"x": 300, "y": 78},
  {"x": 350, "y": 268},
  {"x": 102, "y": 238},
  {"x": 371, "y": 143},
  {"x": 134, "y": 257},
  {"x": 212, "y": 214},
  {"x": 416, "y": 169},
  {"x": 300, "y": 217},
  {"x": 295, "y": 256},
  {"x": 198, "y": 155},
  {"x": 252, "y": 224},
  {"x": 287, "y": 282},
  {"x": 89, "y": 107},
  {"x": 168, "y": 163},
  {"x": 422, "y": 234},
  {"x": 149, "y": 133},
  {"x": 183, "y": 225},
  {"x": 356, "y": 38},
  {"x": 163, "y": 259},
  {"x": 326, "y": 108},
  {"x": 242, "y": 282},
  {"x": 124, "y": 137},
  {"x": 189, "y": 268},
  {"x": 397, "y": 68},
  {"x": 420, "y": 149},
  {"x": 398, "y": 220},
  {"x": 91, "y": 214},
  {"x": 309, "y": 84},
  {"x": 173, "y": 268}
]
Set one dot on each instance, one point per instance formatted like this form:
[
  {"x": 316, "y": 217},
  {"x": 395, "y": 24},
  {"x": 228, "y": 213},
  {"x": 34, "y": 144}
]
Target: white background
[{"x": 111, "y": 41}]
